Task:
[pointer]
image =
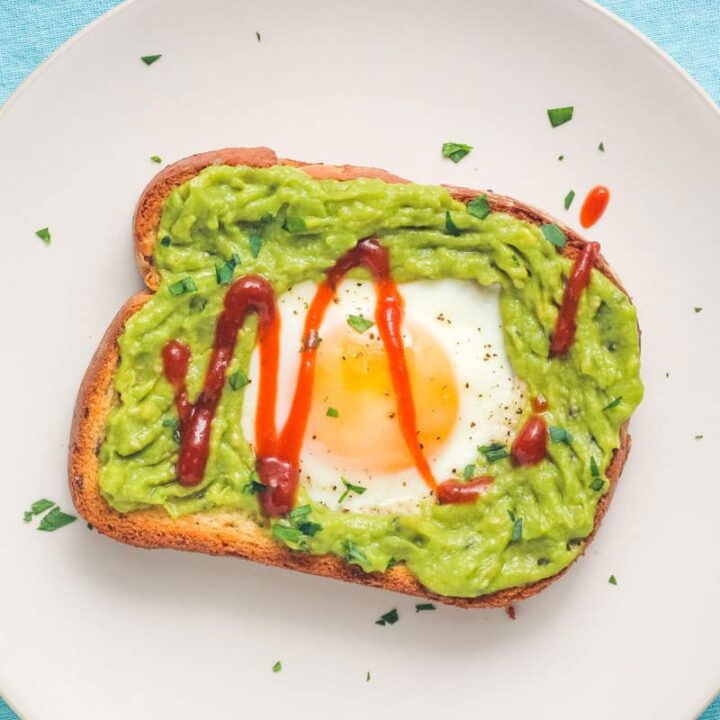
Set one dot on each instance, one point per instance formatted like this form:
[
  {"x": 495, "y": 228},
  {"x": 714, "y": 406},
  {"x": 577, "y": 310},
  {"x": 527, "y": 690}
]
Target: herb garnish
[
  {"x": 238, "y": 380},
  {"x": 198, "y": 303},
  {"x": 254, "y": 485},
  {"x": 367, "y": 679},
  {"x": 156, "y": 158},
  {"x": 224, "y": 272},
  {"x": 450, "y": 226},
  {"x": 561, "y": 158},
  {"x": 258, "y": 36},
  {"x": 332, "y": 412},
  {"x": 516, "y": 535},
  {"x": 55, "y": 519},
  {"x": 359, "y": 323},
  {"x": 493, "y": 452},
  {"x": 277, "y": 667},
  {"x": 560, "y": 435},
  {"x": 597, "y": 483},
  {"x": 553, "y": 234},
  {"x": 44, "y": 235},
  {"x": 150, "y": 59},
  {"x": 349, "y": 487},
  {"x": 601, "y": 147},
  {"x": 353, "y": 552},
  {"x": 294, "y": 224},
  {"x": 255, "y": 240},
  {"x": 698, "y": 309},
  {"x": 479, "y": 207},
  {"x": 614, "y": 403},
  {"x": 186, "y": 285},
  {"x": 287, "y": 534},
  {"x": 561, "y": 115},
  {"x": 699, "y": 437},
  {"x": 165, "y": 242},
  {"x": 612, "y": 580},
  {"x": 455, "y": 151},
  {"x": 389, "y": 618},
  {"x": 468, "y": 471},
  {"x": 40, "y": 506},
  {"x": 568, "y": 199},
  {"x": 419, "y": 607}
]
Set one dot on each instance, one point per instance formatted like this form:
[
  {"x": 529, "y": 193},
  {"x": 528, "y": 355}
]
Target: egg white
[{"x": 464, "y": 319}]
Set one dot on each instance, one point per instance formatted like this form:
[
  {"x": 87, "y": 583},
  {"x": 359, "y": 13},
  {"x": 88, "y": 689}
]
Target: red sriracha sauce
[
  {"x": 530, "y": 446},
  {"x": 579, "y": 278},
  {"x": 457, "y": 492},
  {"x": 594, "y": 206}
]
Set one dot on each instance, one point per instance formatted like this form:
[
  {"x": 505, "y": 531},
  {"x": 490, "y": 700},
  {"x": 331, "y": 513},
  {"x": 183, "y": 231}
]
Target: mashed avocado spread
[{"x": 280, "y": 223}]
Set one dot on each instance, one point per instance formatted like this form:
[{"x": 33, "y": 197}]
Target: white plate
[{"x": 93, "y": 629}]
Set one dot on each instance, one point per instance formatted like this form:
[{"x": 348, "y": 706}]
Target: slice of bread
[{"x": 228, "y": 533}]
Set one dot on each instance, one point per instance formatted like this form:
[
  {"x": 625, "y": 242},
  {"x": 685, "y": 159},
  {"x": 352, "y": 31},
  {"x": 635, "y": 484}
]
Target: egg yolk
[{"x": 354, "y": 413}]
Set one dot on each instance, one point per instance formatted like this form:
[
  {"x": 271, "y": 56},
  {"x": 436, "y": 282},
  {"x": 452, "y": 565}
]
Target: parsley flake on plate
[
  {"x": 389, "y": 618},
  {"x": 150, "y": 59},
  {"x": 455, "y": 151},
  {"x": 561, "y": 115}
]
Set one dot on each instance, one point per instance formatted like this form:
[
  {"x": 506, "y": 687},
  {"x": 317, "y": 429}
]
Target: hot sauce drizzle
[
  {"x": 530, "y": 446},
  {"x": 579, "y": 278},
  {"x": 278, "y": 455},
  {"x": 594, "y": 205}
]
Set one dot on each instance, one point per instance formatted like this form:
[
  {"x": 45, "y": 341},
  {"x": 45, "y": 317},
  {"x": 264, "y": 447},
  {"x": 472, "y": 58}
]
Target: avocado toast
[{"x": 536, "y": 530}]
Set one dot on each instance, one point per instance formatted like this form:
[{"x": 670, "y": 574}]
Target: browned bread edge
[{"x": 224, "y": 533}]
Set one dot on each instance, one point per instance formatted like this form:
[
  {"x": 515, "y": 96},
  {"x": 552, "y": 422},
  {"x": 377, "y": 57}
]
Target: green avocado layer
[{"x": 531, "y": 521}]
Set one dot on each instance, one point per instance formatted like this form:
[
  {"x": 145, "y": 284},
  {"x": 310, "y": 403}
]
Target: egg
[{"x": 464, "y": 390}]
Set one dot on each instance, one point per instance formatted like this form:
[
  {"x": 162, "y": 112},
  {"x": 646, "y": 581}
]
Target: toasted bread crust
[{"x": 226, "y": 533}]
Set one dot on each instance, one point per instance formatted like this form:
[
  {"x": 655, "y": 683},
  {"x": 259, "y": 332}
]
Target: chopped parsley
[
  {"x": 389, "y": 618},
  {"x": 455, "y": 151},
  {"x": 450, "y": 226},
  {"x": 224, "y": 272},
  {"x": 332, "y": 412},
  {"x": 156, "y": 158},
  {"x": 254, "y": 485},
  {"x": 44, "y": 235},
  {"x": 165, "y": 242},
  {"x": 568, "y": 199},
  {"x": 553, "y": 234},
  {"x": 353, "y": 552},
  {"x": 594, "y": 469},
  {"x": 612, "y": 580},
  {"x": 287, "y": 534},
  {"x": 299, "y": 512},
  {"x": 516, "y": 534},
  {"x": 561, "y": 158},
  {"x": 367, "y": 678},
  {"x": 698, "y": 309},
  {"x": 560, "y": 435},
  {"x": 601, "y": 147},
  {"x": 40, "y": 506},
  {"x": 277, "y": 667},
  {"x": 27, "y": 516},
  {"x": 349, "y": 487},
  {"x": 468, "y": 471},
  {"x": 238, "y": 380},
  {"x": 493, "y": 452},
  {"x": 309, "y": 528},
  {"x": 294, "y": 224},
  {"x": 614, "y": 403},
  {"x": 256, "y": 242},
  {"x": 561, "y": 115},
  {"x": 55, "y": 519},
  {"x": 479, "y": 207},
  {"x": 419, "y": 607},
  {"x": 699, "y": 437},
  {"x": 258, "y": 36},
  {"x": 150, "y": 59},
  {"x": 186, "y": 285},
  {"x": 359, "y": 323}
]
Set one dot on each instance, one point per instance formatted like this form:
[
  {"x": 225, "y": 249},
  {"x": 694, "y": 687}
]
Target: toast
[{"x": 228, "y": 533}]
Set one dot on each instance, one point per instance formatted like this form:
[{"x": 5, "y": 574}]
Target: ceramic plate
[{"x": 93, "y": 629}]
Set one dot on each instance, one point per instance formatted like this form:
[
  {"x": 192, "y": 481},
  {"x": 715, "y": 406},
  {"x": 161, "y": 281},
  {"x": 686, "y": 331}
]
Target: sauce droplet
[
  {"x": 457, "y": 492},
  {"x": 594, "y": 206},
  {"x": 530, "y": 445}
]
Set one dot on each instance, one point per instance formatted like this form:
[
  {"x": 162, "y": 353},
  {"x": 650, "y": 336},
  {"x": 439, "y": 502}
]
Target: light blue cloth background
[{"x": 688, "y": 30}]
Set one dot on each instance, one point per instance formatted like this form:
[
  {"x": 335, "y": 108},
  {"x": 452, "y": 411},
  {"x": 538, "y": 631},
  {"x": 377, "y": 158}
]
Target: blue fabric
[{"x": 688, "y": 30}]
